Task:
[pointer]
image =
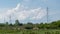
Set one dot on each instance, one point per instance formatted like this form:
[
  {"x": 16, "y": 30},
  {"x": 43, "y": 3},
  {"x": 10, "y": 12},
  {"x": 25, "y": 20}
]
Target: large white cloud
[
  {"x": 0, "y": 16},
  {"x": 20, "y": 12},
  {"x": 39, "y": 13}
]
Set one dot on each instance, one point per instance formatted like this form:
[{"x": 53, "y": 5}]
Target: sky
[{"x": 29, "y": 10}]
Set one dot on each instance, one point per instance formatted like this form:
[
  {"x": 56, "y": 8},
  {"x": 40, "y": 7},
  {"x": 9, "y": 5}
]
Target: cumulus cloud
[
  {"x": 20, "y": 12},
  {"x": 38, "y": 14},
  {"x": 0, "y": 16},
  {"x": 13, "y": 10}
]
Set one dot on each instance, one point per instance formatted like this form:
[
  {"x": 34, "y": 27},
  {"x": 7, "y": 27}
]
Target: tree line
[{"x": 30, "y": 25}]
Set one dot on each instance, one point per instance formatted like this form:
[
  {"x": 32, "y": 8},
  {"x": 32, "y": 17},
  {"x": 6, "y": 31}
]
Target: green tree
[
  {"x": 17, "y": 22},
  {"x": 29, "y": 25},
  {"x": 10, "y": 24},
  {"x": 6, "y": 24}
]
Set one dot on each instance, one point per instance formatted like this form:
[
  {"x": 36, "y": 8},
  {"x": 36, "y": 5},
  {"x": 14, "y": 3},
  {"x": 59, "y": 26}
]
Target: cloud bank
[{"x": 22, "y": 13}]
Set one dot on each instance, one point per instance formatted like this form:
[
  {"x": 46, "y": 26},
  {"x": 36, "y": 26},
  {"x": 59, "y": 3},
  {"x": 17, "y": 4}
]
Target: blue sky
[{"x": 29, "y": 10}]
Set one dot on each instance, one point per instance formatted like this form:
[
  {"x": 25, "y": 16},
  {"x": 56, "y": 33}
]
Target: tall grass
[{"x": 29, "y": 31}]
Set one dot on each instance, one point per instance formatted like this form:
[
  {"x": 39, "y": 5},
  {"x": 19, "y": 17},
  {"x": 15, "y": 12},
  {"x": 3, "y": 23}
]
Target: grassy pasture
[{"x": 29, "y": 31}]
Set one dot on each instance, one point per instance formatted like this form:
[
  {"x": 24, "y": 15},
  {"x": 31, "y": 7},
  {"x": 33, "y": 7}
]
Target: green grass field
[{"x": 29, "y": 31}]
